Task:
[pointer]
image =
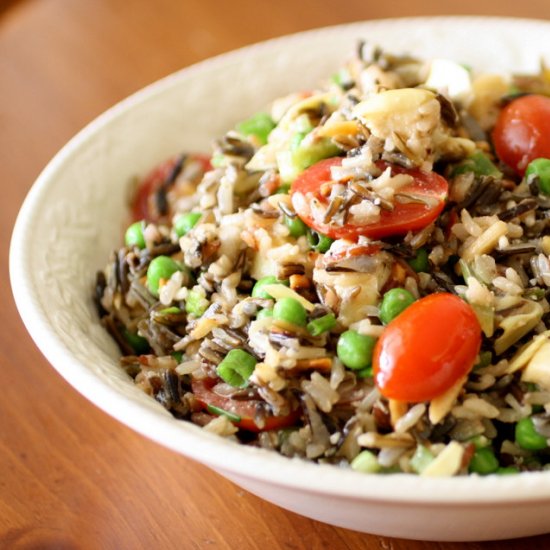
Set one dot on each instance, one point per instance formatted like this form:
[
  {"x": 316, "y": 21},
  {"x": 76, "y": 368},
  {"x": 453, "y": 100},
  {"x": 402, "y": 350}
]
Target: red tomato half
[
  {"x": 143, "y": 203},
  {"x": 246, "y": 410},
  {"x": 426, "y": 349},
  {"x": 410, "y": 216},
  {"x": 522, "y": 132}
]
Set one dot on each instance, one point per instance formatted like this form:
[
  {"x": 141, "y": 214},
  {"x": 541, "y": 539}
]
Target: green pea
[
  {"x": 291, "y": 311},
  {"x": 394, "y": 302},
  {"x": 420, "y": 262},
  {"x": 527, "y": 436},
  {"x": 541, "y": 169},
  {"x": 185, "y": 222},
  {"x": 259, "y": 125},
  {"x": 483, "y": 461},
  {"x": 365, "y": 373},
  {"x": 296, "y": 226},
  {"x": 365, "y": 462},
  {"x": 355, "y": 350},
  {"x": 134, "y": 235},
  {"x": 319, "y": 242},
  {"x": 258, "y": 290},
  {"x": 264, "y": 313},
  {"x": 485, "y": 358},
  {"x": 480, "y": 441},
  {"x": 139, "y": 344},
  {"x": 161, "y": 267}
]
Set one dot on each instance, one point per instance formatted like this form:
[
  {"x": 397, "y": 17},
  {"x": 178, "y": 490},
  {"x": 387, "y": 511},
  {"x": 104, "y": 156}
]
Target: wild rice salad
[{"x": 358, "y": 276}]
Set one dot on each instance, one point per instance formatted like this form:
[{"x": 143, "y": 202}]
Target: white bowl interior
[{"x": 81, "y": 197}]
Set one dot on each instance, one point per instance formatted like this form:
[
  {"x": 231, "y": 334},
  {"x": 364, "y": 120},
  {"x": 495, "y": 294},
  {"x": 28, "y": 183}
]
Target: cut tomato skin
[
  {"x": 403, "y": 218},
  {"x": 522, "y": 132},
  {"x": 246, "y": 410},
  {"x": 141, "y": 206},
  {"x": 426, "y": 349}
]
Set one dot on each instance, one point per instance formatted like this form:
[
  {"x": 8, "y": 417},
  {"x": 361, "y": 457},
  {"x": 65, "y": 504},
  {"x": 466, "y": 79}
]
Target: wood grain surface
[{"x": 70, "y": 476}]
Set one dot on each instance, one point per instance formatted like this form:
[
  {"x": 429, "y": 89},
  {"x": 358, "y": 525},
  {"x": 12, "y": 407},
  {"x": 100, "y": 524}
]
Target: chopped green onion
[
  {"x": 236, "y": 368},
  {"x": 322, "y": 324},
  {"x": 299, "y": 156},
  {"x": 296, "y": 139},
  {"x": 221, "y": 412},
  {"x": 306, "y": 155},
  {"x": 195, "y": 303},
  {"x": 366, "y": 463},
  {"x": 172, "y": 309},
  {"x": 421, "y": 459},
  {"x": 258, "y": 125},
  {"x": 319, "y": 242}
]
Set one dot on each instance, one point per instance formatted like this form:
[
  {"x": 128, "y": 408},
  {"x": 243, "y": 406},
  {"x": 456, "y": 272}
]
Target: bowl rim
[{"x": 190, "y": 440}]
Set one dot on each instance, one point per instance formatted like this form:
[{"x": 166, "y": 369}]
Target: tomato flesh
[
  {"x": 143, "y": 203},
  {"x": 426, "y": 349},
  {"x": 522, "y": 132},
  {"x": 406, "y": 216},
  {"x": 246, "y": 410}
]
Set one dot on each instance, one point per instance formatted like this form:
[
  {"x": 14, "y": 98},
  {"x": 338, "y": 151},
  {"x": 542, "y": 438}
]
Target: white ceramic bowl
[{"x": 75, "y": 214}]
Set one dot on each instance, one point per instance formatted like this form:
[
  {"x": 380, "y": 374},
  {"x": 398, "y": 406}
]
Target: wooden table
[{"x": 71, "y": 477}]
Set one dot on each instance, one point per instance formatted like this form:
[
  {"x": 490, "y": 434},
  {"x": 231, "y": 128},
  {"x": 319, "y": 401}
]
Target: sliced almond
[
  {"x": 526, "y": 352},
  {"x": 397, "y": 410},
  {"x": 447, "y": 463},
  {"x": 281, "y": 291},
  {"x": 442, "y": 404}
]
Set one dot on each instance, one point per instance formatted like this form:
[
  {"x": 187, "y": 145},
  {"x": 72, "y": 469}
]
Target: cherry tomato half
[
  {"x": 246, "y": 410},
  {"x": 426, "y": 349},
  {"x": 522, "y": 132},
  {"x": 143, "y": 204},
  {"x": 430, "y": 188}
]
